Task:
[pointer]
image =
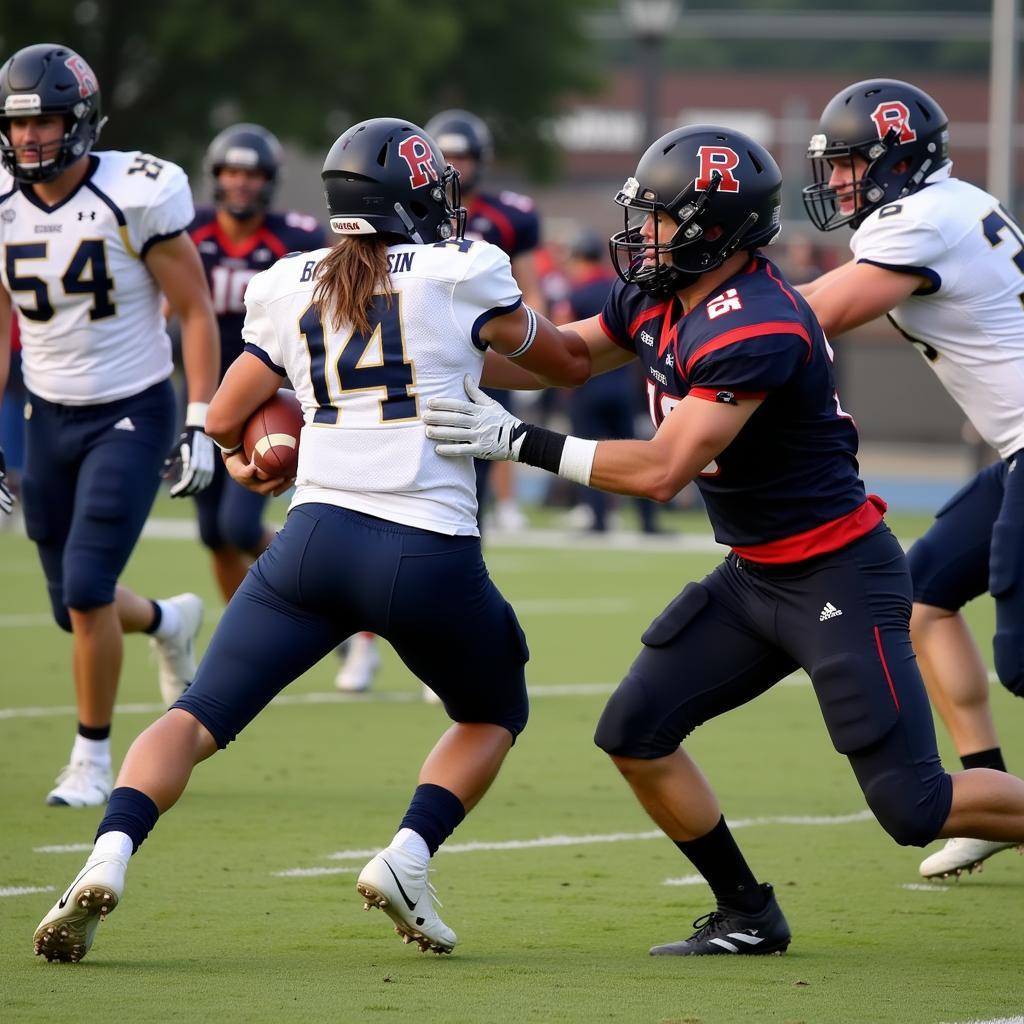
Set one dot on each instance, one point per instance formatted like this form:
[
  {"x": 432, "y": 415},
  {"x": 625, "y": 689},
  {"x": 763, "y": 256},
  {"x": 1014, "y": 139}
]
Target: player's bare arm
[
  {"x": 859, "y": 293},
  {"x": 177, "y": 269},
  {"x": 808, "y": 288},
  {"x": 247, "y": 384},
  {"x": 559, "y": 358},
  {"x": 5, "y": 340}
]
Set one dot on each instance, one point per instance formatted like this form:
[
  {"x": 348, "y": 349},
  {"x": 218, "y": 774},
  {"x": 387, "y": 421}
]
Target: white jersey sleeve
[
  {"x": 906, "y": 244},
  {"x": 486, "y": 290},
  {"x": 258, "y": 330},
  {"x": 157, "y": 201}
]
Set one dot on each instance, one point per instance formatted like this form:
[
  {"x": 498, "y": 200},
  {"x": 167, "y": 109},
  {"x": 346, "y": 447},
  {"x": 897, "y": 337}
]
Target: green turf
[{"x": 207, "y": 931}]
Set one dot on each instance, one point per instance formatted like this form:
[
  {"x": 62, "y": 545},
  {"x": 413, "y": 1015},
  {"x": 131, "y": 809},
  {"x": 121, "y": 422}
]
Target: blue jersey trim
[
  {"x": 114, "y": 208},
  {"x": 935, "y": 281},
  {"x": 262, "y": 356},
  {"x": 156, "y": 239},
  {"x": 483, "y": 319}
]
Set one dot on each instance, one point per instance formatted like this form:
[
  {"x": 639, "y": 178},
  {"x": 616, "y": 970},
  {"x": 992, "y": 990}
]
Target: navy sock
[
  {"x": 985, "y": 759},
  {"x": 158, "y": 614},
  {"x": 132, "y": 812},
  {"x": 90, "y": 732},
  {"x": 435, "y": 813},
  {"x": 717, "y": 857}
]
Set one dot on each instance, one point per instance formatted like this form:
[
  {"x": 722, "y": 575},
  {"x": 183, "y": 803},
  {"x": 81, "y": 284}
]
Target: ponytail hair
[{"x": 348, "y": 278}]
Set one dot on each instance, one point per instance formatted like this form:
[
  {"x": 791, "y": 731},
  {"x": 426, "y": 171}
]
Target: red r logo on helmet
[
  {"x": 87, "y": 84},
  {"x": 420, "y": 160},
  {"x": 893, "y": 114},
  {"x": 720, "y": 159}
]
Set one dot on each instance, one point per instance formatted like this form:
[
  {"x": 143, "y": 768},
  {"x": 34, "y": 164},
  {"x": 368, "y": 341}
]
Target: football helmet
[
  {"x": 899, "y": 130},
  {"x": 250, "y": 146},
  {"x": 722, "y": 189},
  {"x": 387, "y": 176},
  {"x": 48, "y": 78},
  {"x": 462, "y": 134}
]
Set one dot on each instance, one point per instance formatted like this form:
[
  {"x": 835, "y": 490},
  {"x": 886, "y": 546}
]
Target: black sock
[
  {"x": 435, "y": 813},
  {"x": 129, "y": 811},
  {"x": 717, "y": 857},
  {"x": 94, "y": 732},
  {"x": 985, "y": 759},
  {"x": 158, "y": 616}
]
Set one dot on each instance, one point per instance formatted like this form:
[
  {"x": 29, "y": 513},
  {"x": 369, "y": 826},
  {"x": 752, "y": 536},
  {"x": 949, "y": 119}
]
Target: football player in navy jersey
[
  {"x": 89, "y": 241},
  {"x": 741, "y": 389},
  {"x": 237, "y": 238}
]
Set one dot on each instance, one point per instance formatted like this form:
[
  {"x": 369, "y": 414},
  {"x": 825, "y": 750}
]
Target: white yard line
[
  {"x": 563, "y": 841},
  {"x": 26, "y": 890},
  {"x": 924, "y": 887}
]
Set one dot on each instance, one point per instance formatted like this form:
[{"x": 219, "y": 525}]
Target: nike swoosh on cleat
[
  {"x": 408, "y": 902},
  {"x": 71, "y": 887}
]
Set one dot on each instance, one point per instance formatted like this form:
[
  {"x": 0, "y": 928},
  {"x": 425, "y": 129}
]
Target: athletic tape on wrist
[
  {"x": 577, "y": 462},
  {"x": 531, "y": 335},
  {"x": 195, "y": 414},
  {"x": 569, "y": 457}
]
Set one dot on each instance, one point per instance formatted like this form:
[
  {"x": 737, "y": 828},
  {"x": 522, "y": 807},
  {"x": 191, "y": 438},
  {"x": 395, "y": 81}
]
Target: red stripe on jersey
[
  {"x": 711, "y": 394},
  {"x": 822, "y": 539},
  {"x": 607, "y": 330},
  {"x": 498, "y": 219},
  {"x": 205, "y": 231},
  {"x": 272, "y": 242},
  {"x": 744, "y": 333},
  {"x": 647, "y": 314},
  {"x": 885, "y": 668},
  {"x": 785, "y": 290}
]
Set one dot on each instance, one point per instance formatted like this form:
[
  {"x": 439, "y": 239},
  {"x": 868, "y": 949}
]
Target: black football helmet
[
  {"x": 386, "y": 176},
  {"x": 721, "y": 188},
  {"x": 250, "y": 146},
  {"x": 48, "y": 78},
  {"x": 462, "y": 134},
  {"x": 899, "y": 130}
]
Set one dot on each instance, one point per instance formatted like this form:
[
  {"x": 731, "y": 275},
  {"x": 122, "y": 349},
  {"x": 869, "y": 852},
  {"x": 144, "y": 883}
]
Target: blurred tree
[{"x": 173, "y": 74}]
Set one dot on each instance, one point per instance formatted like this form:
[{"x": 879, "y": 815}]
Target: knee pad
[
  {"x": 855, "y": 699},
  {"x": 910, "y": 816},
  {"x": 1008, "y": 651},
  {"x": 241, "y": 534},
  {"x": 84, "y": 588},
  {"x": 61, "y": 615},
  {"x": 628, "y": 728}
]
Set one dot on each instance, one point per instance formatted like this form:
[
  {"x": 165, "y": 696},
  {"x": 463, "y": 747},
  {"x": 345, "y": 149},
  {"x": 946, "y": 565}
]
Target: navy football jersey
[
  {"x": 788, "y": 486},
  {"x": 230, "y": 267},
  {"x": 508, "y": 220}
]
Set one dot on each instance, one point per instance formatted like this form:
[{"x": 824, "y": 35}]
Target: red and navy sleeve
[{"x": 619, "y": 313}]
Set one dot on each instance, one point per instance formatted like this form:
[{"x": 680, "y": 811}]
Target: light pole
[{"x": 651, "y": 22}]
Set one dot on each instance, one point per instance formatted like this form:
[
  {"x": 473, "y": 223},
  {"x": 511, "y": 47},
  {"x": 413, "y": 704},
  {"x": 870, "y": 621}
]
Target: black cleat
[{"x": 730, "y": 931}]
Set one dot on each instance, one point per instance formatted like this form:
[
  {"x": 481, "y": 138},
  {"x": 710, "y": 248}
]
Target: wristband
[
  {"x": 569, "y": 457},
  {"x": 225, "y": 451},
  {"x": 195, "y": 414},
  {"x": 531, "y": 335}
]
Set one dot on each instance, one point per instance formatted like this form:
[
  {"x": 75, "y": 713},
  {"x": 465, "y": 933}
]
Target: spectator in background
[
  {"x": 604, "y": 406},
  {"x": 238, "y": 237}
]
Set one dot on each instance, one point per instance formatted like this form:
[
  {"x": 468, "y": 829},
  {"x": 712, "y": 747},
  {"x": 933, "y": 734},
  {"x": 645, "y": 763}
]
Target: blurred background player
[
  {"x": 12, "y": 428},
  {"x": 942, "y": 259},
  {"x": 90, "y": 241},
  {"x": 237, "y": 238},
  {"x": 604, "y": 406},
  {"x": 382, "y": 532}
]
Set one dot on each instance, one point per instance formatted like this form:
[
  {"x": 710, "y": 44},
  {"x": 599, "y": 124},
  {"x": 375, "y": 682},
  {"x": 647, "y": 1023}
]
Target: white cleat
[
  {"x": 82, "y": 783},
  {"x": 392, "y": 882},
  {"x": 176, "y": 654},
  {"x": 362, "y": 659},
  {"x": 67, "y": 931},
  {"x": 959, "y": 855}
]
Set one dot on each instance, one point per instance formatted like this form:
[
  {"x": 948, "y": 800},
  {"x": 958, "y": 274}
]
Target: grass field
[{"x": 241, "y": 906}]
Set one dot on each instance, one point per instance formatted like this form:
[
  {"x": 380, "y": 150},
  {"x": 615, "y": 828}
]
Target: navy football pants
[
  {"x": 332, "y": 572},
  {"x": 230, "y": 515},
  {"x": 91, "y": 474},
  {"x": 844, "y": 618},
  {"x": 976, "y": 544}
]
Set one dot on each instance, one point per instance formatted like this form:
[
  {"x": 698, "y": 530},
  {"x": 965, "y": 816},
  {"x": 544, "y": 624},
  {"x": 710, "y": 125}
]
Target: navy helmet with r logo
[
  {"x": 251, "y": 147},
  {"x": 722, "y": 190},
  {"x": 899, "y": 131},
  {"x": 387, "y": 176},
  {"x": 43, "y": 79}
]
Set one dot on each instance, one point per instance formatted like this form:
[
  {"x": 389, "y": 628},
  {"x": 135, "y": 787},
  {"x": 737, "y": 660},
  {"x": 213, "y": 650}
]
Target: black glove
[{"x": 6, "y": 497}]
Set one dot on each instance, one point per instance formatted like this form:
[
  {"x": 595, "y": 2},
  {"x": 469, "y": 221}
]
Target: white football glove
[
  {"x": 191, "y": 461},
  {"x": 480, "y": 427},
  {"x": 6, "y": 497}
]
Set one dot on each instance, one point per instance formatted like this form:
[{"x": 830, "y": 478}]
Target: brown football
[{"x": 271, "y": 437}]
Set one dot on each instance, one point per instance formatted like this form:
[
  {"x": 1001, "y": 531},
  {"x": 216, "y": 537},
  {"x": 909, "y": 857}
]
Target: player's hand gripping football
[
  {"x": 6, "y": 497},
  {"x": 480, "y": 427},
  {"x": 252, "y": 478},
  {"x": 190, "y": 463}
]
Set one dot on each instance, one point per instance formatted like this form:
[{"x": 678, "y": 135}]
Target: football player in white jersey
[
  {"x": 88, "y": 242},
  {"x": 945, "y": 262},
  {"x": 382, "y": 531}
]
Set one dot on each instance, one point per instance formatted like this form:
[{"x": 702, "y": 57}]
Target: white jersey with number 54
[
  {"x": 969, "y": 319},
  {"x": 363, "y": 444},
  {"x": 92, "y": 329}
]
